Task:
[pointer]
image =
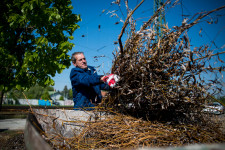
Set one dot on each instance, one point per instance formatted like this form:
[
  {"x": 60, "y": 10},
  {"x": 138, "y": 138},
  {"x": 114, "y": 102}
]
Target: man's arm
[
  {"x": 83, "y": 78},
  {"x": 104, "y": 86}
]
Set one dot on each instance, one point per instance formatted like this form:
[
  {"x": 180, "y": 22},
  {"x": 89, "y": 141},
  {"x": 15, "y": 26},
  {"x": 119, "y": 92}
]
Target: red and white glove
[{"x": 111, "y": 80}]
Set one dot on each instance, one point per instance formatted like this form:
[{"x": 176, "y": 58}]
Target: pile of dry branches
[{"x": 163, "y": 78}]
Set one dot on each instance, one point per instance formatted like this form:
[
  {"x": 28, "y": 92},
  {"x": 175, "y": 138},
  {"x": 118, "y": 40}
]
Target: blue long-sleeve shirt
[{"x": 86, "y": 86}]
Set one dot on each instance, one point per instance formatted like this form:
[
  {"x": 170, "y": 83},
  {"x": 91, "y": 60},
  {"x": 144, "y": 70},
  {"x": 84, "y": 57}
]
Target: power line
[
  {"x": 92, "y": 48},
  {"x": 212, "y": 41},
  {"x": 95, "y": 18}
]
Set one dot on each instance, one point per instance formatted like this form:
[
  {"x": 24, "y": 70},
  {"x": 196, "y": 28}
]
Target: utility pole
[{"x": 160, "y": 20}]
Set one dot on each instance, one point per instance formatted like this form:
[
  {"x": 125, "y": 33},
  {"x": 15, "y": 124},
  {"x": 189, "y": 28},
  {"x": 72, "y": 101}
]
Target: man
[{"x": 86, "y": 83}]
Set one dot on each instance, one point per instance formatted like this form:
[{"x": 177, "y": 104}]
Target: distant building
[{"x": 56, "y": 96}]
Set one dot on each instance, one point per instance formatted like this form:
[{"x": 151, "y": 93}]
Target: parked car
[
  {"x": 55, "y": 103},
  {"x": 214, "y": 108}
]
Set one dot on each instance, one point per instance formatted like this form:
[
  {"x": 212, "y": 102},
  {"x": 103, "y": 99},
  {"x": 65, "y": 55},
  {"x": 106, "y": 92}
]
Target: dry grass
[{"x": 117, "y": 131}]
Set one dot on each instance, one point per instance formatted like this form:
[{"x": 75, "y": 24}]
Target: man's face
[{"x": 80, "y": 61}]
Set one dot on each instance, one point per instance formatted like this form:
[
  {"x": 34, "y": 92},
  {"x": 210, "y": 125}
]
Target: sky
[{"x": 95, "y": 41}]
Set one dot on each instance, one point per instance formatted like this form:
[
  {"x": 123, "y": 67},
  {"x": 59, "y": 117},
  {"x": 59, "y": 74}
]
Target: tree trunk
[{"x": 1, "y": 97}]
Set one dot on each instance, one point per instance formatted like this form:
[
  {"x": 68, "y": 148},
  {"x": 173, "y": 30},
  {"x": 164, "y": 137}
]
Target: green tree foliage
[
  {"x": 50, "y": 88},
  {"x": 61, "y": 98},
  {"x": 15, "y": 94},
  {"x": 35, "y": 92},
  {"x": 70, "y": 95},
  {"x": 45, "y": 95},
  {"x": 65, "y": 91},
  {"x": 34, "y": 41}
]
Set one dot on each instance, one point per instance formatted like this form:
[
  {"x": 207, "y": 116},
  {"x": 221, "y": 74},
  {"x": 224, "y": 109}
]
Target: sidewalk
[{"x": 12, "y": 124}]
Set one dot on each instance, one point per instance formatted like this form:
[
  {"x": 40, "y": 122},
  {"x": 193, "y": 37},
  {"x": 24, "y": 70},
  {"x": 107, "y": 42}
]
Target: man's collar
[{"x": 83, "y": 69}]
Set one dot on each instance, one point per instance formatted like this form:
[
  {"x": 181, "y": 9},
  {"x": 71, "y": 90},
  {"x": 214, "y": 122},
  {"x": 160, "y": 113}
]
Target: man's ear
[{"x": 74, "y": 64}]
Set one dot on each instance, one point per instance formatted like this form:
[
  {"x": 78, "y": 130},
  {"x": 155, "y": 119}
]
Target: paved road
[{"x": 12, "y": 124}]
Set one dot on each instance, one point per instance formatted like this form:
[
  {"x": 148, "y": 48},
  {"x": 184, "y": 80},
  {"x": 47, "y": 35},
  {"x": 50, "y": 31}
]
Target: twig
[
  {"x": 124, "y": 26},
  {"x": 205, "y": 57}
]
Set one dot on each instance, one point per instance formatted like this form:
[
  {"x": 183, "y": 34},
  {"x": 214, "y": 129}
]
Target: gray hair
[{"x": 73, "y": 59}]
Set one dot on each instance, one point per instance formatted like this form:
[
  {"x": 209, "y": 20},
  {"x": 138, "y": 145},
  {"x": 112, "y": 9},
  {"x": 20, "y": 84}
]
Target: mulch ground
[{"x": 11, "y": 140}]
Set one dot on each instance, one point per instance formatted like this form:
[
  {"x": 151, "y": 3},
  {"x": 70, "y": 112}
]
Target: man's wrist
[{"x": 101, "y": 78}]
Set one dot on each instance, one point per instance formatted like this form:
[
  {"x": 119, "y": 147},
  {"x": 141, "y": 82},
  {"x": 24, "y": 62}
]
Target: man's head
[{"x": 79, "y": 60}]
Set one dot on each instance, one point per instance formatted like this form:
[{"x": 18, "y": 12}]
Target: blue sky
[{"x": 101, "y": 42}]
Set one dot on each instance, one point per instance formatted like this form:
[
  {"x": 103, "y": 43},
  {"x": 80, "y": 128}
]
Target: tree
[
  {"x": 50, "y": 88},
  {"x": 14, "y": 94},
  {"x": 34, "y": 92},
  {"x": 34, "y": 41},
  {"x": 65, "y": 91},
  {"x": 45, "y": 95},
  {"x": 70, "y": 95},
  {"x": 61, "y": 98}
]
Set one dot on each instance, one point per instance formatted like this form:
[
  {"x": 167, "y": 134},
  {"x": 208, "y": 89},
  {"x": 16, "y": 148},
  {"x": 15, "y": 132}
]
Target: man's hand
[{"x": 111, "y": 80}]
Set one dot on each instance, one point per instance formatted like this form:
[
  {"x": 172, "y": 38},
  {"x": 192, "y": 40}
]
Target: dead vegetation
[
  {"x": 162, "y": 77},
  {"x": 117, "y": 131},
  {"x": 159, "y": 98}
]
